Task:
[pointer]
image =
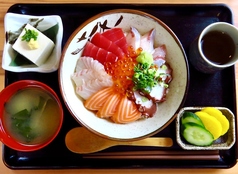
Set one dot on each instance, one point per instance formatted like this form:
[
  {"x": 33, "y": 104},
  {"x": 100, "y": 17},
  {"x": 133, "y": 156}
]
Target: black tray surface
[{"x": 218, "y": 89}]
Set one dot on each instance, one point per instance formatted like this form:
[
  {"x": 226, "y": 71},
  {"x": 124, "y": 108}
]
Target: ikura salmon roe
[{"x": 123, "y": 70}]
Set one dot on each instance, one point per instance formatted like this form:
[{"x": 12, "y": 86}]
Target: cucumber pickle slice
[
  {"x": 190, "y": 117},
  {"x": 197, "y": 135}
]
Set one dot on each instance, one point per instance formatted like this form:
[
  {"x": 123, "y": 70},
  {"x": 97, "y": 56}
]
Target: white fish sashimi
[
  {"x": 147, "y": 41},
  {"x": 90, "y": 87},
  {"x": 90, "y": 77},
  {"x": 159, "y": 52},
  {"x": 133, "y": 38},
  {"x": 83, "y": 75},
  {"x": 159, "y": 55},
  {"x": 88, "y": 63}
]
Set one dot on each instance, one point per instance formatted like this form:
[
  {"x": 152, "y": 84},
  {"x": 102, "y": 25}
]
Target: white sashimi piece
[
  {"x": 133, "y": 38},
  {"x": 147, "y": 41},
  {"x": 162, "y": 73},
  {"x": 159, "y": 52},
  {"x": 83, "y": 75},
  {"x": 142, "y": 100},
  {"x": 90, "y": 87},
  {"x": 159, "y": 62},
  {"x": 88, "y": 63},
  {"x": 90, "y": 77},
  {"x": 157, "y": 92}
]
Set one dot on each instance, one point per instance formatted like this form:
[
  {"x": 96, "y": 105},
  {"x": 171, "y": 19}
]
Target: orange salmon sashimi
[
  {"x": 126, "y": 112},
  {"x": 109, "y": 108},
  {"x": 110, "y": 104},
  {"x": 96, "y": 101}
]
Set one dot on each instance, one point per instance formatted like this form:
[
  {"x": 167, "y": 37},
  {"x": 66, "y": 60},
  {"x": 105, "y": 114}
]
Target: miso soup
[{"x": 31, "y": 116}]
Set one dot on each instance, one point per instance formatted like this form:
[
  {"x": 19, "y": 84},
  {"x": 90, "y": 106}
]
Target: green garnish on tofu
[{"x": 30, "y": 34}]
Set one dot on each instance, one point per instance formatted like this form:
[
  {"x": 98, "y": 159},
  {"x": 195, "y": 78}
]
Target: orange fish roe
[{"x": 123, "y": 70}]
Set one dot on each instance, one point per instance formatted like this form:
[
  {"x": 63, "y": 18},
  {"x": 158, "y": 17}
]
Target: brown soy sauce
[{"x": 218, "y": 47}]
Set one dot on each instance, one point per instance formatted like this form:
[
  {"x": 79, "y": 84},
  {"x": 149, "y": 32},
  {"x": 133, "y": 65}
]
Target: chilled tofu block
[{"x": 37, "y": 51}]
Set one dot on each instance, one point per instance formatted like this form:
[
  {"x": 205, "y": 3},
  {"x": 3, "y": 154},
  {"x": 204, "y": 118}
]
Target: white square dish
[{"x": 12, "y": 23}]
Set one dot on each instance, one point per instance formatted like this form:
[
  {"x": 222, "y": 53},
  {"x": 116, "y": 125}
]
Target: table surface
[{"x": 233, "y": 4}]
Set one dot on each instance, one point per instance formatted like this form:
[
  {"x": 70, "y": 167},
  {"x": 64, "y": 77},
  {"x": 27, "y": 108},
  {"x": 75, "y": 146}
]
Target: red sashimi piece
[
  {"x": 126, "y": 112},
  {"x": 99, "y": 54},
  {"x": 117, "y": 36},
  {"x": 102, "y": 42}
]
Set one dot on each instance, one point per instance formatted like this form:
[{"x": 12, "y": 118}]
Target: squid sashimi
[
  {"x": 133, "y": 38},
  {"x": 126, "y": 112},
  {"x": 102, "y": 42},
  {"x": 109, "y": 108},
  {"x": 97, "y": 100},
  {"x": 147, "y": 41},
  {"x": 97, "y": 53},
  {"x": 117, "y": 36}
]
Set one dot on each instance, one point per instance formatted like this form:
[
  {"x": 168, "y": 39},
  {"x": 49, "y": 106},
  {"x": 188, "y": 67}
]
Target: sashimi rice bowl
[{"x": 123, "y": 74}]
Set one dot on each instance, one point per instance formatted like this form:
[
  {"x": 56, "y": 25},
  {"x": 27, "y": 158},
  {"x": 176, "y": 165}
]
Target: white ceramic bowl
[
  {"x": 12, "y": 23},
  {"x": 175, "y": 57}
]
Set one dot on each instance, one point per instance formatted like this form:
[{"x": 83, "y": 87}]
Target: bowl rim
[
  {"x": 143, "y": 14},
  {"x": 6, "y": 94}
]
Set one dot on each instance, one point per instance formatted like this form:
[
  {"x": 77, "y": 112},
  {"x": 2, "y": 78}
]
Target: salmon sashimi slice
[
  {"x": 109, "y": 108},
  {"x": 102, "y": 42},
  {"x": 99, "y": 54},
  {"x": 97, "y": 100},
  {"x": 117, "y": 36},
  {"x": 126, "y": 112}
]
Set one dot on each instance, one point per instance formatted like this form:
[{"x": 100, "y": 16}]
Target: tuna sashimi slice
[
  {"x": 99, "y": 54},
  {"x": 102, "y": 42},
  {"x": 117, "y": 36}
]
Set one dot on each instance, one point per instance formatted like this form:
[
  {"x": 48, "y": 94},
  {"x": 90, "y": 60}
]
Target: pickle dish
[{"x": 205, "y": 128}]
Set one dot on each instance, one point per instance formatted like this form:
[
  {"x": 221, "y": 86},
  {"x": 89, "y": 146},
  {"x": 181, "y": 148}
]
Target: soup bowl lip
[{"x": 6, "y": 94}]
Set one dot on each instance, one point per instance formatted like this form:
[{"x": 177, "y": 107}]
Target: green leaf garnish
[
  {"x": 144, "y": 77},
  {"x": 30, "y": 34}
]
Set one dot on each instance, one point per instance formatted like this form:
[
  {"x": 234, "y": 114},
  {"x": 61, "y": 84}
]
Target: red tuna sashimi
[
  {"x": 98, "y": 54},
  {"x": 102, "y": 42},
  {"x": 117, "y": 36}
]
